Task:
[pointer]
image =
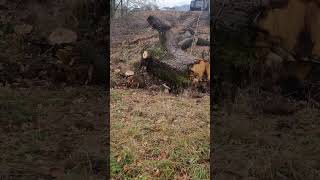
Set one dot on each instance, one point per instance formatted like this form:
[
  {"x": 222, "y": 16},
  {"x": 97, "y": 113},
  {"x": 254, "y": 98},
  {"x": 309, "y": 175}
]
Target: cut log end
[{"x": 145, "y": 55}]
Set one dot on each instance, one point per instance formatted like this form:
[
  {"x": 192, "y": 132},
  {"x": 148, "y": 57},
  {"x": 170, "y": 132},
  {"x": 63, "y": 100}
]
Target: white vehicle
[{"x": 199, "y": 5}]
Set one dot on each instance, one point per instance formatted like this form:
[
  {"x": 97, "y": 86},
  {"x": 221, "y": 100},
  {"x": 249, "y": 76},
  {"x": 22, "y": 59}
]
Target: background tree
[{"x": 124, "y": 6}]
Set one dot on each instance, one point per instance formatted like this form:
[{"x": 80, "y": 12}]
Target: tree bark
[
  {"x": 202, "y": 42},
  {"x": 187, "y": 42}
]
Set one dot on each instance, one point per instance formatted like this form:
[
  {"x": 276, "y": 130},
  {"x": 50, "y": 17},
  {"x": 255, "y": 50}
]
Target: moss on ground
[{"x": 156, "y": 51}]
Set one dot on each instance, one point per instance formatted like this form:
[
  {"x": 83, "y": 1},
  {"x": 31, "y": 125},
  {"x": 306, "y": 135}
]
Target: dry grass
[
  {"x": 159, "y": 136},
  {"x": 250, "y": 144},
  {"x": 49, "y": 134},
  {"x": 154, "y": 135}
]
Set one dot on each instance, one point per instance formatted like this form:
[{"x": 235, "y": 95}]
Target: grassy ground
[
  {"x": 252, "y": 144},
  {"x": 49, "y": 134},
  {"x": 159, "y": 136},
  {"x": 154, "y": 135}
]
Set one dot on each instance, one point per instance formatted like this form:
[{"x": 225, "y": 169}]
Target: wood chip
[{"x": 129, "y": 73}]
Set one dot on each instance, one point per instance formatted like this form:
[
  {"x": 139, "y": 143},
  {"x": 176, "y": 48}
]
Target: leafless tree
[{"x": 124, "y": 5}]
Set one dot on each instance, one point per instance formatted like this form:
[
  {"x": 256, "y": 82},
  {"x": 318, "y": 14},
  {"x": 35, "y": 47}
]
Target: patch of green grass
[
  {"x": 133, "y": 131},
  {"x": 155, "y": 152},
  {"x": 157, "y": 51},
  {"x": 166, "y": 168},
  {"x": 126, "y": 157},
  {"x": 199, "y": 172},
  {"x": 182, "y": 81},
  {"x": 188, "y": 152},
  {"x": 117, "y": 126},
  {"x": 137, "y": 113},
  {"x": 124, "y": 167},
  {"x": 149, "y": 146},
  {"x": 115, "y": 167},
  {"x": 185, "y": 158},
  {"x": 115, "y": 96},
  {"x": 142, "y": 177}
]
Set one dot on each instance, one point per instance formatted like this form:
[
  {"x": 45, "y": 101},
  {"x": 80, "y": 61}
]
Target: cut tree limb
[
  {"x": 187, "y": 42},
  {"x": 202, "y": 42},
  {"x": 173, "y": 63}
]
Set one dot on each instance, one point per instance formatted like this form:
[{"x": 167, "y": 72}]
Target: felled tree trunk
[
  {"x": 186, "y": 43},
  {"x": 169, "y": 61},
  {"x": 186, "y": 34}
]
